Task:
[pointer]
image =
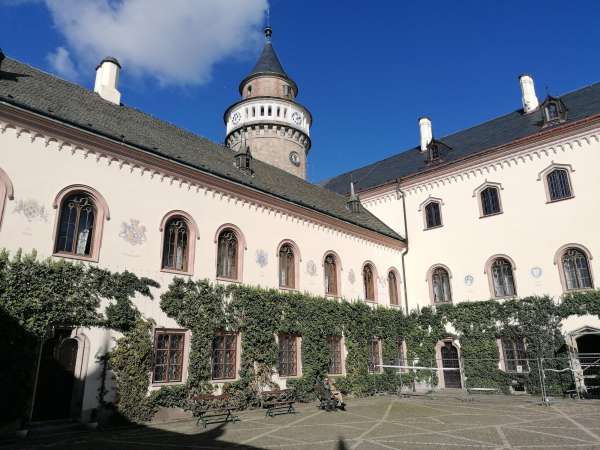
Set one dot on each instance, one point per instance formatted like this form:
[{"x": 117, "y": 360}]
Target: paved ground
[{"x": 494, "y": 422}]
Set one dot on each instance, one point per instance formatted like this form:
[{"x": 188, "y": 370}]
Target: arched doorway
[
  {"x": 450, "y": 360},
  {"x": 56, "y": 378},
  {"x": 588, "y": 354}
]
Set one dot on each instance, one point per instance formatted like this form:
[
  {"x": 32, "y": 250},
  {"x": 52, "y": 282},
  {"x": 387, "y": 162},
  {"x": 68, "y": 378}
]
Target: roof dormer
[{"x": 553, "y": 111}]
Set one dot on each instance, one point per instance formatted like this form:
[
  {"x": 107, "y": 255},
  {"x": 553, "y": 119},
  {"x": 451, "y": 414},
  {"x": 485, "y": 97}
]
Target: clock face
[
  {"x": 295, "y": 158},
  {"x": 235, "y": 119},
  {"x": 297, "y": 118}
]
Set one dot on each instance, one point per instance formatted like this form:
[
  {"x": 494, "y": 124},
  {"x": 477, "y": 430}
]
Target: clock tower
[{"x": 267, "y": 118}]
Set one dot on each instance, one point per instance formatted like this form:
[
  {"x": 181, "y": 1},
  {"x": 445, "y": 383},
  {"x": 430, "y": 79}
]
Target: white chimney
[
  {"x": 107, "y": 79},
  {"x": 426, "y": 133},
  {"x": 530, "y": 101}
]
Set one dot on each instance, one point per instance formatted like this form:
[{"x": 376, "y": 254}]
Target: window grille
[
  {"x": 76, "y": 225},
  {"x": 175, "y": 245},
  {"x": 374, "y": 356},
  {"x": 433, "y": 216},
  {"x": 490, "y": 201},
  {"x": 502, "y": 278},
  {"x": 224, "y": 353},
  {"x": 576, "y": 269},
  {"x": 287, "y": 269},
  {"x": 288, "y": 355},
  {"x": 227, "y": 255},
  {"x": 335, "y": 354},
  {"x": 330, "y": 275},
  {"x": 369, "y": 282},
  {"x": 515, "y": 357},
  {"x": 393, "y": 288},
  {"x": 168, "y": 356},
  {"x": 440, "y": 282},
  {"x": 559, "y": 186}
]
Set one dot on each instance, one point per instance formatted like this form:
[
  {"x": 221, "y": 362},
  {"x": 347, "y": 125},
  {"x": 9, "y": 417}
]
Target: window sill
[
  {"x": 333, "y": 296},
  {"x": 177, "y": 272},
  {"x": 78, "y": 257},
  {"x": 395, "y": 305},
  {"x": 289, "y": 377},
  {"x": 506, "y": 297},
  {"x": 560, "y": 199},
  {"x": 288, "y": 289},
  {"x": 372, "y": 302},
  {"x": 228, "y": 280},
  {"x": 483, "y": 216},
  {"x": 158, "y": 384},
  {"x": 573, "y": 291},
  {"x": 433, "y": 228}
]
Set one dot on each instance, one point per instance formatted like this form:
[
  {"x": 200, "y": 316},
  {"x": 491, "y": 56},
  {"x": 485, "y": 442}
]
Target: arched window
[
  {"x": 440, "y": 286},
  {"x": 176, "y": 244},
  {"x": 330, "y": 269},
  {"x": 76, "y": 225},
  {"x": 287, "y": 267},
  {"x": 393, "y": 288},
  {"x": 369, "y": 282},
  {"x": 490, "y": 201},
  {"x": 559, "y": 185},
  {"x": 576, "y": 269},
  {"x": 433, "y": 217},
  {"x": 227, "y": 254},
  {"x": 502, "y": 278}
]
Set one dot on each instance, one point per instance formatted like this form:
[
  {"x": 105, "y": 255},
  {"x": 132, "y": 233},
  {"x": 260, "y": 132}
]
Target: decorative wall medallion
[
  {"x": 311, "y": 268},
  {"x": 351, "y": 276},
  {"x": 469, "y": 280},
  {"x": 536, "y": 272},
  {"x": 382, "y": 281},
  {"x": 31, "y": 209},
  {"x": 133, "y": 232},
  {"x": 262, "y": 258}
]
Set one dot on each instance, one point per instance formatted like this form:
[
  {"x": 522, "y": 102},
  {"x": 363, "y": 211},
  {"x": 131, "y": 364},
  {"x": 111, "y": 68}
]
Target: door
[
  {"x": 56, "y": 378},
  {"x": 588, "y": 347},
  {"x": 450, "y": 361}
]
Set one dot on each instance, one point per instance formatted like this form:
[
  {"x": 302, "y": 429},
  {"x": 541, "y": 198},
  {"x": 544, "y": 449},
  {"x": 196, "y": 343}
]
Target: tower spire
[{"x": 268, "y": 30}]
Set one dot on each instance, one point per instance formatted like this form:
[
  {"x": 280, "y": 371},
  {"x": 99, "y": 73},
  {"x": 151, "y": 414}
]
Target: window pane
[
  {"x": 168, "y": 356},
  {"x": 335, "y": 354},
  {"x": 76, "y": 225},
  {"x": 287, "y": 355},
  {"x": 393, "y": 288},
  {"x": 330, "y": 275},
  {"x": 224, "y": 356},
  {"x": 502, "y": 278},
  {"x": 558, "y": 184},
  {"x": 286, "y": 267},
  {"x": 433, "y": 217},
  {"x": 373, "y": 357},
  {"x": 227, "y": 255},
  {"x": 576, "y": 269},
  {"x": 441, "y": 285},
  {"x": 490, "y": 202},
  {"x": 368, "y": 282}
]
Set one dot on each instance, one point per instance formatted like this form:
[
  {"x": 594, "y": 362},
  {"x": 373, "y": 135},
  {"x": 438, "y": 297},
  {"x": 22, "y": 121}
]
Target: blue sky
[{"x": 366, "y": 70}]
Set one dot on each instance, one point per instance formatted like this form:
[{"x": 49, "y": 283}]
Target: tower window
[
  {"x": 246, "y": 111},
  {"x": 253, "y": 111},
  {"x": 269, "y": 110},
  {"x": 287, "y": 90},
  {"x": 249, "y": 90},
  {"x": 284, "y": 113},
  {"x": 262, "y": 110},
  {"x": 278, "y": 111}
]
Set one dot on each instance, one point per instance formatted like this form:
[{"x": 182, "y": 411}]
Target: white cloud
[
  {"x": 60, "y": 62},
  {"x": 175, "y": 41}
]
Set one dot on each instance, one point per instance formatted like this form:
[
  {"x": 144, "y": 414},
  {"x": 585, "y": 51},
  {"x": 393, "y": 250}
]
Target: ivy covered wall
[{"x": 36, "y": 296}]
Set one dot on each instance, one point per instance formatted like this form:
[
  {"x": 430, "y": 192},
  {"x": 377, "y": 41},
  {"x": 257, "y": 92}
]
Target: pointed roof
[{"x": 268, "y": 63}]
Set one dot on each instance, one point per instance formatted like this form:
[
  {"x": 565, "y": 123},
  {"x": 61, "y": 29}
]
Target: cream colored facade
[{"x": 39, "y": 163}]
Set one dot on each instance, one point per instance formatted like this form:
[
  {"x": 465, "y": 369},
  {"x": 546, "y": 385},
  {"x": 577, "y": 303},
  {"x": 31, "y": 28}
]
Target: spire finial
[{"x": 268, "y": 30}]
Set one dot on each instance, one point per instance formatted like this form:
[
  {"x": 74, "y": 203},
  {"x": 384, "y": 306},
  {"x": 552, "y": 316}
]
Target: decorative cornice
[{"x": 108, "y": 151}]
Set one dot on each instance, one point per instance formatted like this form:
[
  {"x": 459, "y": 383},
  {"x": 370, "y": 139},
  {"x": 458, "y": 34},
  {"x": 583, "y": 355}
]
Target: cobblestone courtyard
[{"x": 493, "y": 422}]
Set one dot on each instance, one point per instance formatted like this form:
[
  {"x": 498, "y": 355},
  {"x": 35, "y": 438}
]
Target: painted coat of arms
[{"x": 133, "y": 232}]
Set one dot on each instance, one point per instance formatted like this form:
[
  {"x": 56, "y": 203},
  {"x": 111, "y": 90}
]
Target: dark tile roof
[
  {"x": 39, "y": 92},
  {"x": 268, "y": 62},
  {"x": 502, "y": 130}
]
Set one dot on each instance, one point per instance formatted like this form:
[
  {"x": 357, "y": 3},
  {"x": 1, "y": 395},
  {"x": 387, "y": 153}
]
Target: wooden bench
[
  {"x": 278, "y": 402},
  {"x": 214, "y": 409}
]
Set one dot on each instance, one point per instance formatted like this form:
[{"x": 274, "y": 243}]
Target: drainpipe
[{"x": 405, "y": 252}]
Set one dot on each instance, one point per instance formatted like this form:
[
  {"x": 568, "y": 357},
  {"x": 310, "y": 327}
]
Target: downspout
[{"x": 405, "y": 252}]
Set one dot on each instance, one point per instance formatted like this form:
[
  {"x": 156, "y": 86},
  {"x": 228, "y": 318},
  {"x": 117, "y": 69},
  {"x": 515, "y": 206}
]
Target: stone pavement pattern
[{"x": 487, "y": 422}]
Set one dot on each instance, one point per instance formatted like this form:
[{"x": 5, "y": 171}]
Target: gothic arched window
[
  {"x": 330, "y": 269},
  {"x": 176, "y": 244},
  {"x": 369, "y": 282},
  {"x": 440, "y": 286},
  {"x": 287, "y": 267},
  {"x": 393, "y": 288},
  {"x": 227, "y": 255},
  {"x": 490, "y": 201},
  {"x": 559, "y": 186},
  {"x": 502, "y": 278},
  {"x": 76, "y": 225},
  {"x": 576, "y": 269},
  {"x": 433, "y": 216}
]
